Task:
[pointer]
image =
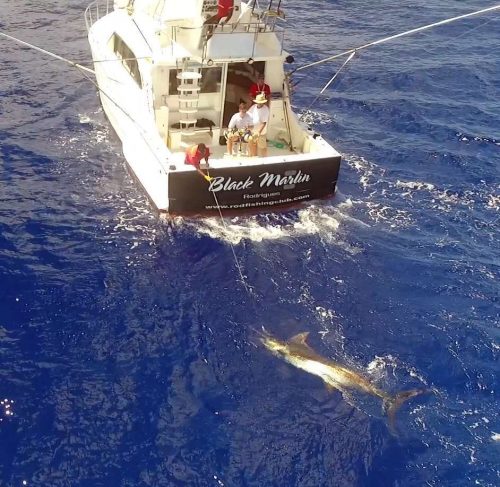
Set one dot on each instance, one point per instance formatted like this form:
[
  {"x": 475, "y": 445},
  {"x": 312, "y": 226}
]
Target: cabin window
[
  {"x": 209, "y": 83},
  {"x": 210, "y": 80},
  {"x": 129, "y": 61}
]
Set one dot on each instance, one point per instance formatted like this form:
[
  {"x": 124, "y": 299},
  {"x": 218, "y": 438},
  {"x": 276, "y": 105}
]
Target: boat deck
[{"x": 219, "y": 156}]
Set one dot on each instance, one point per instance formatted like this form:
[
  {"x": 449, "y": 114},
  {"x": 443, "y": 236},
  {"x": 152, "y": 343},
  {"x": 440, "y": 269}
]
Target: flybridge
[{"x": 200, "y": 29}]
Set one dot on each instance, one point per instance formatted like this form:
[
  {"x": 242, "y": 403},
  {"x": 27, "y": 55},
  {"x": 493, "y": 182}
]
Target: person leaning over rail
[
  {"x": 239, "y": 126},
  {"x": 260, "y": 117},
  {"x": 195, "y": 154}
]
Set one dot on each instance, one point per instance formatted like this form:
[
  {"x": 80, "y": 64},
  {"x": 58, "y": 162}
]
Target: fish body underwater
[{"x": 298, "y": 353}]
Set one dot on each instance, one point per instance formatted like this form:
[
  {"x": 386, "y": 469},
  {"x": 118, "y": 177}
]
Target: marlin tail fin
[{"x": 393, "y": 403}]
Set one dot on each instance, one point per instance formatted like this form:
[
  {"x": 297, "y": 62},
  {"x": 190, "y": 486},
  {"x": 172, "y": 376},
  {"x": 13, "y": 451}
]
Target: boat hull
[{"x": 253, "y": 188}]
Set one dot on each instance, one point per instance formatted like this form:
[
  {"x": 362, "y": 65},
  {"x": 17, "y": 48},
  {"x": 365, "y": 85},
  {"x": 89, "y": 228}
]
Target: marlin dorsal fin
[{"x": 300, "y": 338}]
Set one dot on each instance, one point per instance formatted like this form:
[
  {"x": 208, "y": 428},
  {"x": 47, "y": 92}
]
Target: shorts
[{"x": 261, "y": 141}]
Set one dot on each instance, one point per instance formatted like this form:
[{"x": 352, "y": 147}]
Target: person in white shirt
[
  {"x": 239, "y": 122},
  {"x": 260, "y": 118}
]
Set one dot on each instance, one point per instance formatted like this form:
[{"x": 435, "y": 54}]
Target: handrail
[
  {"x": 252, "y": 28},
  {"x": 96, "y": 10}
]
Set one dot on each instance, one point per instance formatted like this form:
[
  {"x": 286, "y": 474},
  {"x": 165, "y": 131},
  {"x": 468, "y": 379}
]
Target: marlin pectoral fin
[{"x": 300, "y": 338}]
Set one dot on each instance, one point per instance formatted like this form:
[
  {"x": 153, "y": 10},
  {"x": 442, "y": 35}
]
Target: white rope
[
  {"x": 39, "y": 49},
  {"x": 402, "y": 34},
  {"x": 332, "y": 79},
  {"x": 337, "y": 73}
]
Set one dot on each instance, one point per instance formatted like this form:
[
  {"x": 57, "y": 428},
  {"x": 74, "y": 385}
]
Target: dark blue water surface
[{"x": 128, "y": 351}]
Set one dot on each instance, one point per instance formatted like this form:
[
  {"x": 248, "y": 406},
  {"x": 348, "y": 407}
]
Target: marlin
[{"x": 298, "y": 353}]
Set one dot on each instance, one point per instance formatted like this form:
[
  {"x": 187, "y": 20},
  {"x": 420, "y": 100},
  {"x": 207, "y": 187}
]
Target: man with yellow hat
[{"x": 260, "y": 116}]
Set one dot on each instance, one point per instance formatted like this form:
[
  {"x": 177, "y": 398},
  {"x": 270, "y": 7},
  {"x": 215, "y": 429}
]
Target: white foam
[
  {"x": 380, "y": 366},
  {"x": 415, "y": 185},
  {"x": 313, "y": 220},
  {"x": 493, "y": 202},
  {"x": 384, "y": 190},
  {"x": 325, "y": 313},
  {"x": 311, "y": 117},
  {"x": 6, "y": 409},
  {"x": 367, "y": 169}
]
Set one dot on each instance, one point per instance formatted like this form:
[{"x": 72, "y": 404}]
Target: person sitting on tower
[{"x": 225, "y": 9}]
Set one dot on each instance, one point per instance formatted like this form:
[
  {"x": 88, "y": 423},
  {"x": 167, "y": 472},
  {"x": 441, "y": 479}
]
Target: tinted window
[
  {"x": 210, "y": 80},
  {"x": 209, "y": 83},
  {"x": 128, "y": 58}
]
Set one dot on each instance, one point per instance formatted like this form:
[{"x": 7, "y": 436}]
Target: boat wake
[
  {"x": 317, "y": 219},
  {"x": 386, "y": 194}
]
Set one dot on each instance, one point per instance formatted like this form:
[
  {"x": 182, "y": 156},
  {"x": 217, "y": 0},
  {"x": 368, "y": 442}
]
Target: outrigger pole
[
  {"x": 402, "y": 34},
  {"x": 82, "y": 70},
  {"x": 39, "y": 49}
]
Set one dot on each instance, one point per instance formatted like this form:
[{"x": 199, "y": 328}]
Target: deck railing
[
  {"x": 252, "y": 29},
  {"x": 96, "y": 10}
]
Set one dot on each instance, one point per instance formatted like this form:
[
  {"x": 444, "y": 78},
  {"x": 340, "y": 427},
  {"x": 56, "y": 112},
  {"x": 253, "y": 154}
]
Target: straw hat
[{"x": 260, "y": 98}]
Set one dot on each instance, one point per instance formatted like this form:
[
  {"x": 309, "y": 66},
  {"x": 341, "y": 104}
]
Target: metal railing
[
  {"x": 205, "y": 32},
  {"x": 96, "y": 10}
]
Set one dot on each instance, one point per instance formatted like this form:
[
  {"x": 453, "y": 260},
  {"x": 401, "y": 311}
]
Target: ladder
[{"x": 188, "y": 87}]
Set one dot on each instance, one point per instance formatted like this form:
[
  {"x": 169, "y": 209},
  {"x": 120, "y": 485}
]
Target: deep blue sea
[{"x": 128, "y": 350}]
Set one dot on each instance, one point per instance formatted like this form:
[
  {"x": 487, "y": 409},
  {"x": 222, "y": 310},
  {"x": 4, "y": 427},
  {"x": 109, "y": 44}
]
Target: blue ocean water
[{"x": 128, "y": 351}]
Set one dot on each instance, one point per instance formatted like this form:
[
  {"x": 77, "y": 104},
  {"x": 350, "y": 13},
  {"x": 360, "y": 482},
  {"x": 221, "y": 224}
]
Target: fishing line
[
  {"x": 352, "y": 52},
  {"x": 69, "y": 61},
  {"x": 475, "y": 28},
  {"x": 238, "y": 267}
]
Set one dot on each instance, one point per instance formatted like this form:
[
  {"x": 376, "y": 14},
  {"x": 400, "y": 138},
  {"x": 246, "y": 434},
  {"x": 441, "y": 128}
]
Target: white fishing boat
[{"x": 171, "y": 74}]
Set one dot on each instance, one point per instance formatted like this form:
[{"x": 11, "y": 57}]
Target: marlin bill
[{"x": 298, "y": 353}]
